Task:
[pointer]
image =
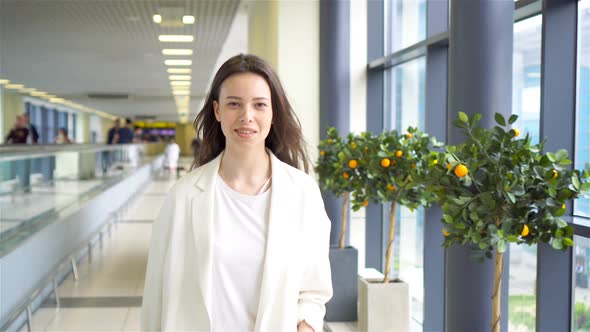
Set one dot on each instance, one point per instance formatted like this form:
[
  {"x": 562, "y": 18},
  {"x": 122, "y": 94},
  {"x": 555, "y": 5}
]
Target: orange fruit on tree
[
  {"x": 525, "y": 231},
  {"x": 330, "y": 141},
  {"x": 516, "y": 132},
  {"x": 555, "y": 174},
  {"x": 365, "y": 203},
  {"x": 390, "y": 187},
  {"x": 353, "y": 145},
  {"x": 435, "y": 161},
  {"x": 445, "y": 232},
  {"x": 399, "y": 153},
  {"x": 563, "y": 206},
  {"x": 385, "y": 162},
  {"x": 323, "y": 153},
  {"x": 409, "y": 135},
  {"x": 345, "y": 175},
  {"x": 353, "y": 163},
  {"x": 461, "y": 170}
]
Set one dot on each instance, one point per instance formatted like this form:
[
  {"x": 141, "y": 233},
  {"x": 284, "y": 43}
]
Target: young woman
[{"x": 241, "y": 243}]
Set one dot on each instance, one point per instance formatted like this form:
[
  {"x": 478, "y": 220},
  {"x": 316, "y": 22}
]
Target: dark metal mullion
[
  {"x": 409, "y": 53},
  {"x": 558, "y": 94},
  {"x": 374, "y": 235}
]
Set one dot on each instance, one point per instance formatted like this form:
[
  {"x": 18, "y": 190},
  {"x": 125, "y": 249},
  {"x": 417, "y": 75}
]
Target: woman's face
[{"x": 244, "y": 110}]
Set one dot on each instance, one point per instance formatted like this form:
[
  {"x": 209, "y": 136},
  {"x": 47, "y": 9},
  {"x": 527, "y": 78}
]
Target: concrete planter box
[
  {"x": 343, "y": 305},
  {"x": 384, "y": 307}
]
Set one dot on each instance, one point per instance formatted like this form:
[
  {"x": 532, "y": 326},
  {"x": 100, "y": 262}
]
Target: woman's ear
[{"x": 216, "y": 110}]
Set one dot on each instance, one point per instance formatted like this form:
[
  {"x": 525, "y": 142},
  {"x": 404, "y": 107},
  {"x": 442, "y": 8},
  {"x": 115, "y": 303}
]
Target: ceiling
[{"x": 76, "y": 48}]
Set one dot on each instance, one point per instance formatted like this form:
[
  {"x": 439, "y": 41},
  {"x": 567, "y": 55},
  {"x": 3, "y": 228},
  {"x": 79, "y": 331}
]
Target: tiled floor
[{"x": 113, "y": 280}]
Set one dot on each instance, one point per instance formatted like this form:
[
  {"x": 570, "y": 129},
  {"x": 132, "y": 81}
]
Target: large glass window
[
  {"x": 526, "y": 78},
  {"x": 581, "y": 278},
  {"x": 406, "y": 24},
  {"x": 526, "y": 103},
  {"x": 405, "y": 102},
  {"x": 582, "y": 154}
]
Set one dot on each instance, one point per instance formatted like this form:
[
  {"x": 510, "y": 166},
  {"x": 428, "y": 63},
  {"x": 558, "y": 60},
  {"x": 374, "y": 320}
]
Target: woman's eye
[
  {"x": 260, "y": 105},
  {"x": 233, "y": 104}
]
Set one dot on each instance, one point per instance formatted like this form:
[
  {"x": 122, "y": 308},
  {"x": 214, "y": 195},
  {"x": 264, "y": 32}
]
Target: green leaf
[
  {"x": 500, "y": 119},
  {"x": 551, "y": 157},
  {"x": 511, "y": 197},
  {"x": 463, "y": 117},
  {"x": 561, "y": 154},
  {"x": 568, "y": 242},
  {"x": 512, "y": 238},
  {"x": 518, "y": 190},
  {"x": 561, "y": 223},
  {"x": 557, "y": 244},
  {"x": 448, "y": 219},
  {"x": 512, "y": 119},
  {"x": 502, "y": 246},
  {"x": 576, "y": 181}
]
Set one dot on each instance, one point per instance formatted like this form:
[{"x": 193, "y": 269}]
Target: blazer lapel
[
  {"x": 278, "y": 243},
  {"x": 201, "y": 217}
]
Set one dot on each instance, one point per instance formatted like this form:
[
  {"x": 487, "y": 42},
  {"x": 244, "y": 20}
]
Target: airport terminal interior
[{"x": 98, "y": 100}]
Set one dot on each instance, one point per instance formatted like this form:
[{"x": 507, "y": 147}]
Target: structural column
[
  {"x": 334, "y": 86},
  {"x": 480, "y": 81}
]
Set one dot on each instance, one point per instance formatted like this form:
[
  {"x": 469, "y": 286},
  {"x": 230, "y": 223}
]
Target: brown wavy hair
[{"x": 285, "y": 138}]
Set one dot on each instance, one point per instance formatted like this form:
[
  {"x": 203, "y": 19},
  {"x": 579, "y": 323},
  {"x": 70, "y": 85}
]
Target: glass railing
[{"x": 39, "y": 183}]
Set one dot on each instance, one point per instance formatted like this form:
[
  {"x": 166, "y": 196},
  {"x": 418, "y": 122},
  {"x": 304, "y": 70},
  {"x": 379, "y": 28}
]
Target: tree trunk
[
  {"x": 390, "y": 245},
  {"x": 496, "y": 297},
  {"x": 343, "y": 221}
]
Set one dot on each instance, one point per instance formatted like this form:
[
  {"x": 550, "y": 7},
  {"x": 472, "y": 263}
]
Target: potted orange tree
[
  {"x": 526, "y": 190},
  {"x": 395, "y": 174},
  {"x": 340, "y": 165}
]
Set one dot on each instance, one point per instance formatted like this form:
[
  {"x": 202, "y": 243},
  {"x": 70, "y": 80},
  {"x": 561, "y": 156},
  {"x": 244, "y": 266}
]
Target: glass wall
[
  {"x": 405, "y": 96},
  {"x": 407, "y": 24},
  {"x": 526, "y": 103},
  {"x": 582, "y": 154},
  {"x": 526, "y": 78}
]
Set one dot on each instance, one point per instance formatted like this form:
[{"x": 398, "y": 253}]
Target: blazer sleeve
[
  {"x": 316, "y": 284},
  {"x": 151, "y": 310}
]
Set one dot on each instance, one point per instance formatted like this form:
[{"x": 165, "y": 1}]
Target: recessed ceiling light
[
  {"x": 188, "y": 19},
  {"x": 14, "y": 86},
  {"x": 25, "y": 90},
  {"x": 176, "y": 38},
  {"x": 3, "y": 81},
  {"x": 181, "y": 51},
  {"x": 179, "y": 70},
  {"x": 180, "y": 83},
  {"x": 157, "y": 18},
  {"x": 178, "y": 62},
  {"x": 180, "y": 77},
  {"x": 181, "y": 92},
  {"x": 57, "y": 100},
  {"x": 38, "y": 93}
]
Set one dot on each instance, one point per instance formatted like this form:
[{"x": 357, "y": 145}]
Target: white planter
[{"x": 383, "y": 307}]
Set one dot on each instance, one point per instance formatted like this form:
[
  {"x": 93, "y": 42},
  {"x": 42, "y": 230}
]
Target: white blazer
[{"x": 296, "y": 280}]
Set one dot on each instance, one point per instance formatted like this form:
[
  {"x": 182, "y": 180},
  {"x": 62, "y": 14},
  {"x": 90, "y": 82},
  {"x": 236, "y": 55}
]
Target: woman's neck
[{"x": 245, "y": 169}]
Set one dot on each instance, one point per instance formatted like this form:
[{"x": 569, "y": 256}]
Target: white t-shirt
[{"x": 239, "y": 243}]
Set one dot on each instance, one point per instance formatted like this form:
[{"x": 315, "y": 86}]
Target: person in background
[
  {"x": 137, "y": 135},
  {"x": 113, "y": 133},
  {"x": 112, "y": 138},
  {"x": 19, "y": 133},
  {"x": 126, "y": 133},
  {"x": 62, "y": 137},
  {"x": 171, "y": 155},
  {"x": 33, "y": 137}
]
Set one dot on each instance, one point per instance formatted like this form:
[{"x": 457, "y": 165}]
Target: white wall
[
  {"x": 298, "y": 64},
  {"x": 96, "y": 126},
  {"x": 358, "y": 66}
]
